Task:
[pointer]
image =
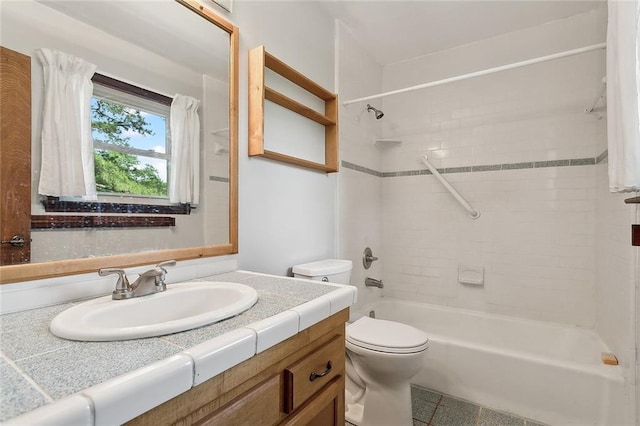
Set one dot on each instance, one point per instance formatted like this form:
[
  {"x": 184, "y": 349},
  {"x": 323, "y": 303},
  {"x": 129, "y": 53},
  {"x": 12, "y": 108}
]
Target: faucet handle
[
  {"x": 162, "y": 265},
  {"x": 122, "y": 278},
  {"x": 368, "y": 258},
  {"x": 123, "y": 289},
  {"x": 160, "y": 279}
]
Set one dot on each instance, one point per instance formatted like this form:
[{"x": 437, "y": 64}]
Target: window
[
  {"x": 132, "y": 152},
  {"x": 130, "y": 129}
]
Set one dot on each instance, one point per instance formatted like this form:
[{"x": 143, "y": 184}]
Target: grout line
[
  {"x": 356, "y": 167},
  {"x": 163, "y": 339},
  {"x": 44, "y": 353},
  {"x": 434, "y": 410},
  {"x": 603, "y": 156},
  {"x": 48, "y": 398}
]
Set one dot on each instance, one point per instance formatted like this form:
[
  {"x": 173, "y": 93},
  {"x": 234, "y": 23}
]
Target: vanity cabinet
[{"x": 300, "y": 381}]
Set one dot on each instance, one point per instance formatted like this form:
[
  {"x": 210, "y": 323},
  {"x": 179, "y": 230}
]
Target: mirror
[{"x": 165, "y": 46}]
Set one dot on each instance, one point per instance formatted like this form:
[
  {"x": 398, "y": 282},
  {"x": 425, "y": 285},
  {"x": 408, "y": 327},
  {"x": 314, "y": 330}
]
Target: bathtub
[{"x": 543, "y": 371}]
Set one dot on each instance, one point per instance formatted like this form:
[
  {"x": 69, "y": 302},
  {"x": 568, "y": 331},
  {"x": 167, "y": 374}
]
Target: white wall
[
  {"x": 536, "y": 236},
  {"x": 359, "y": 192},
  {"x": 286, "y": 214}
]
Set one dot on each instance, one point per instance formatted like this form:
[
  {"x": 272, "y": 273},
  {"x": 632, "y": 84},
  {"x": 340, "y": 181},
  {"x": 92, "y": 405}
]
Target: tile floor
[{"x": 434, "y": 409}]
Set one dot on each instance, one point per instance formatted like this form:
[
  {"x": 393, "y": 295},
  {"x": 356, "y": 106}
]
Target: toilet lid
[{"x": 386, "y": 336}]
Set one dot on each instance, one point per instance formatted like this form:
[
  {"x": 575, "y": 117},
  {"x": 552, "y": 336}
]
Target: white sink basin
[{"x": 181, "y": 307}]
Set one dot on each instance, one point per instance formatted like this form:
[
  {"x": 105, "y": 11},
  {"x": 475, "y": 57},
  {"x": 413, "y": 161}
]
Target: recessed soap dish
[{"x": 473, "y": 275}]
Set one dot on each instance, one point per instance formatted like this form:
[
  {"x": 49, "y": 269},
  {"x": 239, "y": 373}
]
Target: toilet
[{"x": 382, "y": 357}]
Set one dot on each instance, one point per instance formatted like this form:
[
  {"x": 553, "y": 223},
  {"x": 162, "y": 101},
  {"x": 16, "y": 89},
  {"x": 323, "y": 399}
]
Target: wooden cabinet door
[
  {"x": 258, "y": 407},
  {"x": 15, "y": 156},
  {"x": 324, "y": 409}
]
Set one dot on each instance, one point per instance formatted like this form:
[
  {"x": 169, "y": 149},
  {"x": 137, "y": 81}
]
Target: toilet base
[
  {"x": 389, "y": 405},
  {"x": 354, "y": 413}
]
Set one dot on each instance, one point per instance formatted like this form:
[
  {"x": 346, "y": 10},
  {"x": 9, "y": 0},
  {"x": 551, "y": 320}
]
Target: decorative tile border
[
  {"x": 352, "y": 166},
  {"x": 600, "y": 158},
  {"x": 485, "y": 167}
]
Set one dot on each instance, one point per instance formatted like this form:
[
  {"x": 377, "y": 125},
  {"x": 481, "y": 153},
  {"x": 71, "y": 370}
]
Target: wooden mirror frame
[{"x": 25, "y": 272}]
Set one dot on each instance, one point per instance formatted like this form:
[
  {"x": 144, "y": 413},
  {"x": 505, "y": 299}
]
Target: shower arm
[{"x": 472, "y": 212}]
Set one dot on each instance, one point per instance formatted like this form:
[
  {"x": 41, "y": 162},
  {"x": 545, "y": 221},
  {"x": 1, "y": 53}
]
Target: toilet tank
[{"x": 332, "y": 270}]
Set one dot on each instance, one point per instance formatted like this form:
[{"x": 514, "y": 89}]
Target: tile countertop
[{"x": 46, "y": 379}]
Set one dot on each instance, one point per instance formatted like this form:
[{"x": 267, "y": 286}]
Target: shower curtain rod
[
  {"x": 484, "y": 72},
  {"x": 472, "y": 212}
]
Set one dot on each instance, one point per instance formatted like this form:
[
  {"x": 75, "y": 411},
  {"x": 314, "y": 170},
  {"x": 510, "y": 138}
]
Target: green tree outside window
[{"x": 119, "y": 172}]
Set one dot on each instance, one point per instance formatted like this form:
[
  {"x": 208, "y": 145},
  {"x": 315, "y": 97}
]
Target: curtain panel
[
  {"x": 67, "y": 166},
  {"x": 623, "y": 95},
  {"x": 184, "y": 174}
]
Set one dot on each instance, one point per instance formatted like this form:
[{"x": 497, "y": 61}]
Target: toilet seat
[{"x": 386, "y": 336}]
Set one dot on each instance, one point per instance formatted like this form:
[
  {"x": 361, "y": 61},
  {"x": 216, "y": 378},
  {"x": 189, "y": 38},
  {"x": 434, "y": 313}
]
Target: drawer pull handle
[{"x": 315, "y": 375}]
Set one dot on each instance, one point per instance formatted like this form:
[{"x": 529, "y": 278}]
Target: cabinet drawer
[{"x": 311, "y": 373}]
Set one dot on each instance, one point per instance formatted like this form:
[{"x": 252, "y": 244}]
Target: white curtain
[
  {"x": 67, "y": 167},
  {"x": 184, "y": 180},
  {"x": 623, "y": 94}
]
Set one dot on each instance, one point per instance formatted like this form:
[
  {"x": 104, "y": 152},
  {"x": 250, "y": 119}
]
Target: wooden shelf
[
  {"x": 297, "y": 161},
  {"x": 259, "y": 60},
  {"x": 290, "y": 104}
]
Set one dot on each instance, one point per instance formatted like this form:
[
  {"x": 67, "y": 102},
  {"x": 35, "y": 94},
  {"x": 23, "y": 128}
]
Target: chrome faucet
[
  {"x": 149, "y": 282},
  {"x": 371, "y": 282}
]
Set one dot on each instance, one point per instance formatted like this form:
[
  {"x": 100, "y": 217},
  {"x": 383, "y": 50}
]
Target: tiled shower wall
[
  {"x": 529, "y": 114},
  {"x": 535, "y": 238},
  {"x": 520, "y": 148}
]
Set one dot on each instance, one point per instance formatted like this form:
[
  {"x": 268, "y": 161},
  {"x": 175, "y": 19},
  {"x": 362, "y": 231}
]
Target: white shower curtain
[
  {"x": 184, "y": 180},
  {"x": 67, "y": 167},
  {"x": 623, "y": 94}
]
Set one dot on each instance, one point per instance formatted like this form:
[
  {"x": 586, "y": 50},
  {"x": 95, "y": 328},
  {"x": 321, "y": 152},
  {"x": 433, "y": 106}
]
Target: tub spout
[{"x": 371, "y": 282}]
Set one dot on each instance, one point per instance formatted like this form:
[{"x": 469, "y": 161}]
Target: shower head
[{"x": 379, "y": 114}]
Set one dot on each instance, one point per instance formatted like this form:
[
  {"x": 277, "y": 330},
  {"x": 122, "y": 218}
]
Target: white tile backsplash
[{"x": 16, "y": 297}]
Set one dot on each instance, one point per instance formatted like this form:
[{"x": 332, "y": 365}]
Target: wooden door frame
[{"x": 15, "y": 155}]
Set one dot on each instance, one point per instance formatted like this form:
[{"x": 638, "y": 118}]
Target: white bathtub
[{"x": 543, "y": 371}]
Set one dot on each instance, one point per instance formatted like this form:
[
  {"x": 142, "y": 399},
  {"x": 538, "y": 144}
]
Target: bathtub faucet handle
[{"x": 368, "y": 258}]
